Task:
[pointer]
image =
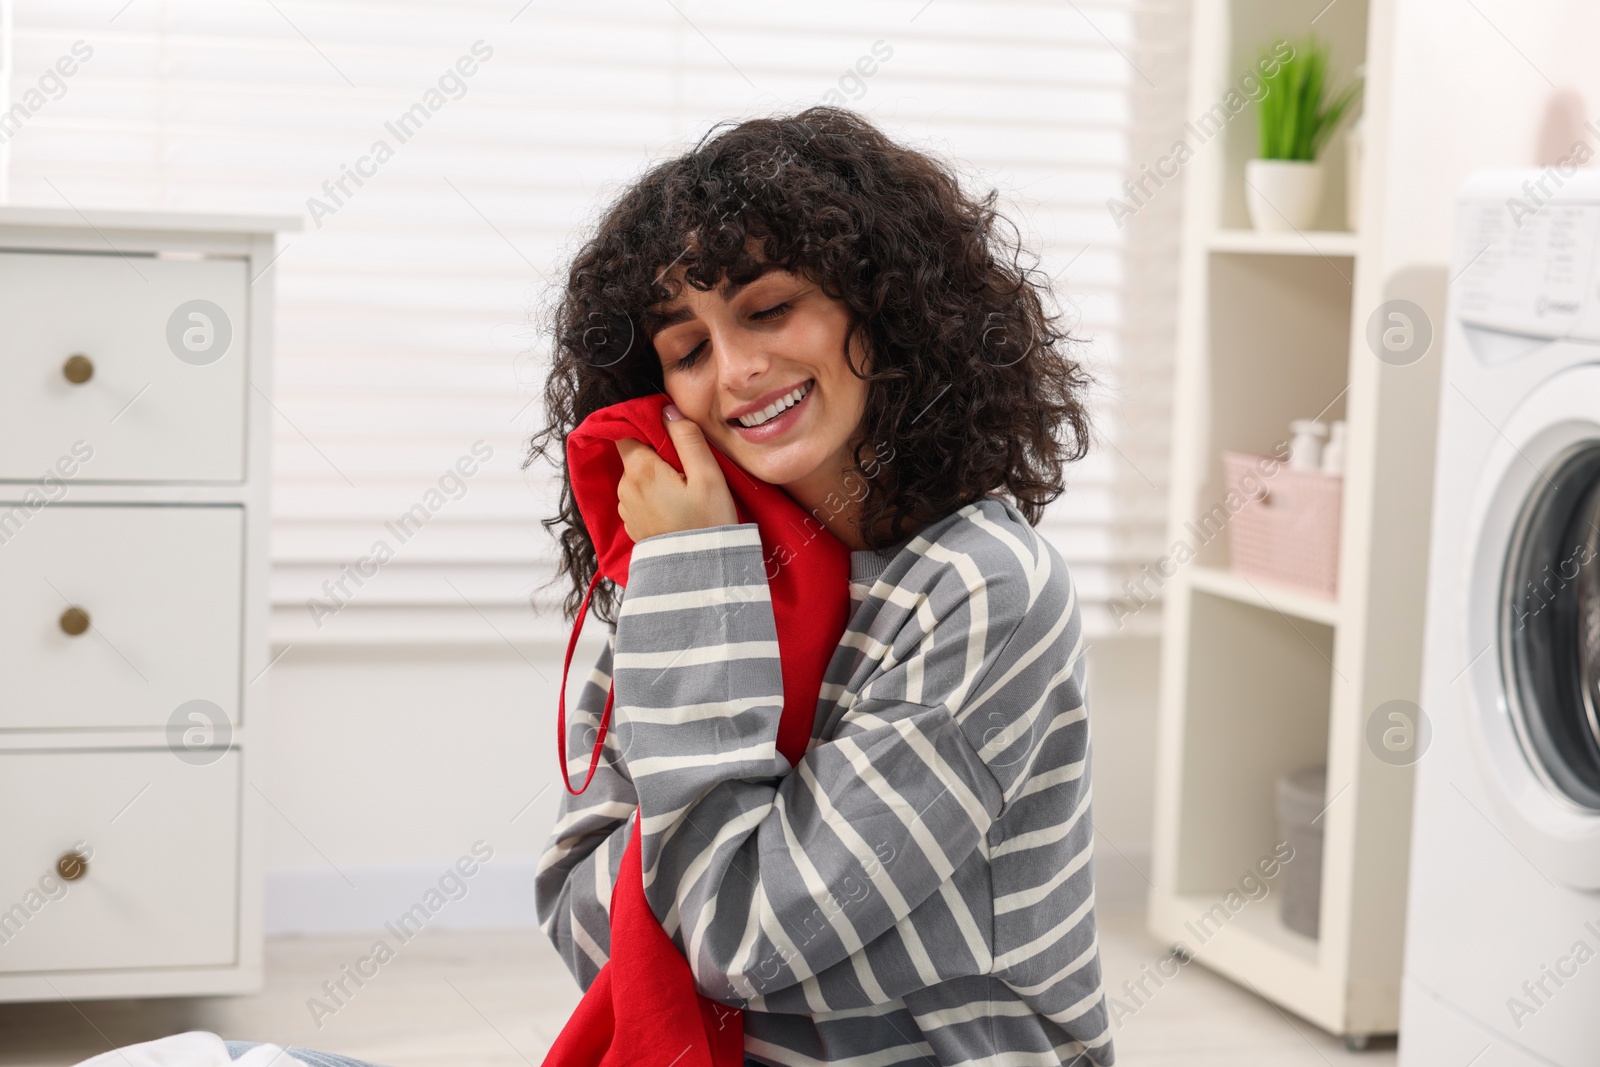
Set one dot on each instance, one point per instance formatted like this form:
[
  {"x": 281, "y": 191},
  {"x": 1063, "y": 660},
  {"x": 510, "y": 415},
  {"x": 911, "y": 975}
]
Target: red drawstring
[{"x": 561, "y": 713}]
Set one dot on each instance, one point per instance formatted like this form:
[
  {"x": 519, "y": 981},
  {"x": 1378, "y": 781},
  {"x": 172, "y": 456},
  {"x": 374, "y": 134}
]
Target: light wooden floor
[{"x": 497, "y": 999}]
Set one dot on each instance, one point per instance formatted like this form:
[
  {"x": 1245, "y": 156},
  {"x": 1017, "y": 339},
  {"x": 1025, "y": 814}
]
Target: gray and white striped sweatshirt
[{"x": 919, "y": 888}]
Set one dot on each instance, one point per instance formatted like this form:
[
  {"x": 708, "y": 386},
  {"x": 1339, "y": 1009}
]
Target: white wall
[
  {"x": 1123, "y": 694},
  {"x": 1471, "y": 82},
  {"x": 387, "y": 764}
]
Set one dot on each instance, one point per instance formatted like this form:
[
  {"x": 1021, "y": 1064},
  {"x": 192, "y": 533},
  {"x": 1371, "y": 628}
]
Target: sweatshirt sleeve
[
  {"x": 767, "y": 875},
  {"x": 572, "y": 888}
]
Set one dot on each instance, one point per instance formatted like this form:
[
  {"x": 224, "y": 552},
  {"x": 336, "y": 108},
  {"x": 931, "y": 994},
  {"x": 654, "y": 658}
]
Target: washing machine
[{"x": 1502, "y": 954}]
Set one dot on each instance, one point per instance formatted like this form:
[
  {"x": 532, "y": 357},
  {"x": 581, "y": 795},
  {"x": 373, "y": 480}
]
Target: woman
[{"x": 829, "y": 310}]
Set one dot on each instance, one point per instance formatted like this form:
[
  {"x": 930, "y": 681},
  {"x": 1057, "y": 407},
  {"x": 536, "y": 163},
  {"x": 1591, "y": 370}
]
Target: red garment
[{"x": 643, "y": 1010}]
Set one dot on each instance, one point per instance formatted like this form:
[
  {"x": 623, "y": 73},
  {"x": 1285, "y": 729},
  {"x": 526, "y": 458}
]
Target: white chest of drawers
[{"x": 135, "y": 367}]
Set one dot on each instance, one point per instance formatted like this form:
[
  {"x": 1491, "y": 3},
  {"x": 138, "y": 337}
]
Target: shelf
[
  {"x": 1326, "y": 243},
  {"x": 1285, "y": 600},
  {"x": 1277, "y": 335},
  {"x": 1254, "y": 948},
  {"x": 1271, "y": 329},
  {"x": 1257, "y": 923}
]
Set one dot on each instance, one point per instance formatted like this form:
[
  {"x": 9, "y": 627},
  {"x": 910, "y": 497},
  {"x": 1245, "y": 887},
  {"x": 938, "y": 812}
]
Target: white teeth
[{"x": 771, "y": 410}]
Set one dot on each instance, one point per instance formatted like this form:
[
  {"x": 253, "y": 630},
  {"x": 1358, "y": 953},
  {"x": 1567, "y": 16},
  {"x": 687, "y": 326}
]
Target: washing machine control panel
[{"x": 1529, "y": 271}]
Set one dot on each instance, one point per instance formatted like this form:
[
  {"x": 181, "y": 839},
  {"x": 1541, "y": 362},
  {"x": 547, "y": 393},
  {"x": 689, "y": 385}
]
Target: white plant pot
[{"x": 1282, "y": 194}]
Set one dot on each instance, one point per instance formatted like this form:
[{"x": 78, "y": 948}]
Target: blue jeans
[{"x": 307, "y": 1056}]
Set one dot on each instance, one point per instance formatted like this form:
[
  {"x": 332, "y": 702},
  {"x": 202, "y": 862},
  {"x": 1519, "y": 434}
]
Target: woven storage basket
[{"x": 1288, "y": 534}]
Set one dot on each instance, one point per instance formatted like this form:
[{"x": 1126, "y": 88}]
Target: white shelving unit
[
  {"x": 1285, "y": 600},
  {"x": 1260, "y": 680},
  {"x": 1308, "y": 243}
]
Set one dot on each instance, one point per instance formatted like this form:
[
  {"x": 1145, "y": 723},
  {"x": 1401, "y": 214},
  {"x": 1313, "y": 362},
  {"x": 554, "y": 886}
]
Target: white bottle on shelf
[
  {"x": 1305, "y": 450},
  {"x": 1333, "y": 454}
]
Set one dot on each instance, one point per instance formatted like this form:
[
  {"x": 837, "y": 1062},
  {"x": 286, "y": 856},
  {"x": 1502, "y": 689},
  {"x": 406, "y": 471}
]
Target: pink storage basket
[{"x": 1290, "y": 532}]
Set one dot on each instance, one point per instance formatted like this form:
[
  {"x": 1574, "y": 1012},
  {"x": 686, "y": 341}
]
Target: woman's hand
[{"x": 652, "y": 498}]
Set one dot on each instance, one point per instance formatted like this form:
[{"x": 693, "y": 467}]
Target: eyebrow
[{"x": 657, "y": 321}]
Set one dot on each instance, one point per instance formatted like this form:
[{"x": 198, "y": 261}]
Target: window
[{"x": 444, "y": 157}]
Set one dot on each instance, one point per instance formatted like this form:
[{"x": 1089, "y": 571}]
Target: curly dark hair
[{"x": 971, "y": 376}]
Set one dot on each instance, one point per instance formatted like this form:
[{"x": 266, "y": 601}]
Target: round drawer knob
[
  {"x": 78, "y": 368},
  {"x": 72, "y": 866},
  {"x": 74, "y": 621}
]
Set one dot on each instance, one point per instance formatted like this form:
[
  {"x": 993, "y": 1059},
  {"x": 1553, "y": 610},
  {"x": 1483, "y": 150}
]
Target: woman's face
[{"x": 761, "y": 370}]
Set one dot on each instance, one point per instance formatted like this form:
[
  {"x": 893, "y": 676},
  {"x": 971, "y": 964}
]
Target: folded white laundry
[{"x": 193, "y": 1049}]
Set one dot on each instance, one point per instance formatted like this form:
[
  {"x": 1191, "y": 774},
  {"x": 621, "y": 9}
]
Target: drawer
[
  {"x": 162, "y": 591},
  {"x": 146, "y": 413},
  {"x": 161, "y": 885}
]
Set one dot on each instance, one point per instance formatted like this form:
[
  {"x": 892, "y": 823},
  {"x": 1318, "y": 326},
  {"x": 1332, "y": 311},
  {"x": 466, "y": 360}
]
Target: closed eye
[{"x": 691, "y": 357}]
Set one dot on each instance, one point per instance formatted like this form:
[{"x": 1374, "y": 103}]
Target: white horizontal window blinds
[
  {"x": 444, "y": 156},
  {"x": 1135, "y": 409}
]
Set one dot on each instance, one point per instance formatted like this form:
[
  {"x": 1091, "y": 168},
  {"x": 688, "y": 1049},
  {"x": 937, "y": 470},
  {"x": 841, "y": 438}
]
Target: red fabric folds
[{"x": 644, "y": 1010}]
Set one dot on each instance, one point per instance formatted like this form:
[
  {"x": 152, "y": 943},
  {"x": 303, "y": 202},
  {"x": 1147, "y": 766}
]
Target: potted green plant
[{"x": 1296, "y": 115}]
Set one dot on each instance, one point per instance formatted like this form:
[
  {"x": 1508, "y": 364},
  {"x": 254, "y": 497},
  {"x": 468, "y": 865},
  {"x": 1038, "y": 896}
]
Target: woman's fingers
[
  {"x": 702, "y": 472},
  {"x": 659, "y": 499},
  {"x": 699, "y": 465},
  {"x": 629, "y": 448},
  {"x": 642, "y": 466}
]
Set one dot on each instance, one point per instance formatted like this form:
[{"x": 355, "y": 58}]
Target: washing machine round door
[
  {"x": 1550, "y": 626},
  {"x": 1533, "y": 627}
]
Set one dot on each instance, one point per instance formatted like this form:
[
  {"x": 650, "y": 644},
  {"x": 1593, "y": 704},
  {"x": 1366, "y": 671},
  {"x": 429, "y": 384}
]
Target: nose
[{"x": 740, "y": 360}]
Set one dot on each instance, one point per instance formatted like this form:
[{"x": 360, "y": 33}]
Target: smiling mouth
[{"x": 776, "y": 408}]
